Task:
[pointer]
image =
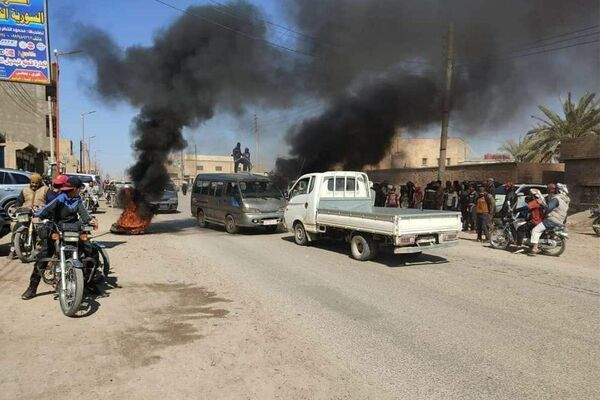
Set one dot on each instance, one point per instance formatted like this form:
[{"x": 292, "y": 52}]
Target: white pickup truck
[{"x": 340, "y": 204}]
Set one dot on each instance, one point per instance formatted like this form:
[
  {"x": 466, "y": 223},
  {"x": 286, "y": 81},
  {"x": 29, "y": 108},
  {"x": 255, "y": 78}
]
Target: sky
[{"x": 135, "y": 22}]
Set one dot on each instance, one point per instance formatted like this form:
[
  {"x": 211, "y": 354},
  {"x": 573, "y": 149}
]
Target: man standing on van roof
[{"x": 237, "y": 155}]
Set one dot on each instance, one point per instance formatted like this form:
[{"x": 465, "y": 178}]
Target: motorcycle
[
  {"x": 26, "y": 241},
  {"x": 552, "y": 242},
  {"x": 595, "y": 214},
  {"x": 90, "y": 200},
  {"x": 77, "y": 261}
]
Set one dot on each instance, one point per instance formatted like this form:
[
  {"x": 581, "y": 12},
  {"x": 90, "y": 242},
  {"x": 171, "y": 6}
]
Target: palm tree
[
  {"x": 581, "y": 119},
  {"x": 518, "y": 150}
]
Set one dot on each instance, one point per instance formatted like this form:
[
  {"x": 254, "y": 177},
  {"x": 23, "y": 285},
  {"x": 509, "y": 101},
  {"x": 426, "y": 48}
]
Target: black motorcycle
[
  {"x": 77, "y": 262},
  {"x": 595, "y": 214},
  {"x": 552, "y": 242}
]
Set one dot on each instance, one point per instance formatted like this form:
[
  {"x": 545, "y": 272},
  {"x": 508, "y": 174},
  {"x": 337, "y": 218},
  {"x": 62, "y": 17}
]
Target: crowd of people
[{"x": 476, "y": 202}]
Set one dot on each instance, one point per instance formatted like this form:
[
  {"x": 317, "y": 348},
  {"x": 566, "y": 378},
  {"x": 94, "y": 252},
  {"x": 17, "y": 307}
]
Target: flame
[{"x": 132, "y": 221}]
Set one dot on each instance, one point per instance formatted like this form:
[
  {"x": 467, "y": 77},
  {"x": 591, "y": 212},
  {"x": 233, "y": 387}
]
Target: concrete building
[
  {"x": 24, "y": 131},
  {"x": 582, "y": 171},
  {"x": 193, "y": 165},
  {"x": 68, "y": 159},
  {"x": 407, "y": 152}
]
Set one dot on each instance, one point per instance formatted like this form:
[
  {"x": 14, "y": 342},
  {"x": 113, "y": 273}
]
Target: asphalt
[{"x": 467, "y": 322}]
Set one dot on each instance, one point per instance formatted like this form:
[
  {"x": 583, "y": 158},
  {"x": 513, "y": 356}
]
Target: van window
[
  {"x": 218, "y": 189},
  {"x": 262, "y": 189}
]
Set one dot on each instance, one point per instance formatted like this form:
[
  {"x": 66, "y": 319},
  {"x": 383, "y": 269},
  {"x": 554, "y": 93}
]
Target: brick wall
[
  {"x": 501, "y": 172},
  {"x": 582, "y": 171}
]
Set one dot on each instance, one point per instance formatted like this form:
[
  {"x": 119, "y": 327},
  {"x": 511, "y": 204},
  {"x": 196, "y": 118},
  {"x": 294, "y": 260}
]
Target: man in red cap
[{"x": 57, "y": 184}]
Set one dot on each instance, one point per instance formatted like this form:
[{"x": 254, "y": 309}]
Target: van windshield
[{"x": 259, "y": 189}]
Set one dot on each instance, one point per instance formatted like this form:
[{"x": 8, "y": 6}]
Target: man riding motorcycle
[
  {"x": 66, "y": 208},
  {"x": 556, "y": 213},
  {"x": 31, "y": 197},
  {"x": 534, "y": 215}
]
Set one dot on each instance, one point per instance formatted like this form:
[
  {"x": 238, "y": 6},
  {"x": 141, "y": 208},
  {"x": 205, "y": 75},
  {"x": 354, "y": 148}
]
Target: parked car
[
  {"x": 12, "y": 182},
  {"x": 91, "y": 181},
  {"x": 169, "y": 200},
  {"x": 237, "y": 200},
  {"x": 338, "y": 204},
  {"x": 5, "y": 221},
  {"x": 522, "y": 190}
]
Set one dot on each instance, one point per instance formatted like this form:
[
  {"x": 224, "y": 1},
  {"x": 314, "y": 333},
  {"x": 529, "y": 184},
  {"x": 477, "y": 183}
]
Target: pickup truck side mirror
[{"x": 286, "y": 195}]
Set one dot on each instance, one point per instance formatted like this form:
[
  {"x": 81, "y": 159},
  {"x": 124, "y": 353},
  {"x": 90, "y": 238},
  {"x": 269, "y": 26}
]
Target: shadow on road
[
  {"x": 90, "y": 304},
  {"x": 385, "y": 257}
]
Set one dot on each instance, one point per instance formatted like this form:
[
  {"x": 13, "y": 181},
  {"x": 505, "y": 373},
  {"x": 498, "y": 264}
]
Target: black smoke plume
[
  {"x": 191, "y": 69},
  {"x": 377, "y": 64}
]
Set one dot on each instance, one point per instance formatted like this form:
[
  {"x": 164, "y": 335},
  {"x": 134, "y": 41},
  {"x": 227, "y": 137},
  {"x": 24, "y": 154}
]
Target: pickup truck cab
[{"x": 340, "y": 204}]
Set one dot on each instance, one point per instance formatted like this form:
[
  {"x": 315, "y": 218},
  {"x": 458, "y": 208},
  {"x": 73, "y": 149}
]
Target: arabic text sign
[{"x": 24, "y": 54}]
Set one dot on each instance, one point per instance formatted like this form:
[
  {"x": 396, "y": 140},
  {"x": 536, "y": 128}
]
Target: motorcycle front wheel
[
  {"x": 554, "y": 251},
  {"x": 23, "y": 253},
  {"x": 70, "y": 298},
  {"x": 499, "y": 238}
]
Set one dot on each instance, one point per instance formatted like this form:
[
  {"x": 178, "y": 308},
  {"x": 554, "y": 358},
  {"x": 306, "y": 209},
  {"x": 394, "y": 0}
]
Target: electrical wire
[{"x": 244, "y": 34}]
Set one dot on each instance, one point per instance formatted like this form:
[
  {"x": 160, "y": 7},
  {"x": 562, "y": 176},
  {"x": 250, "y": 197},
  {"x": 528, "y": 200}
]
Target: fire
[{"x": 133, "y": 220}]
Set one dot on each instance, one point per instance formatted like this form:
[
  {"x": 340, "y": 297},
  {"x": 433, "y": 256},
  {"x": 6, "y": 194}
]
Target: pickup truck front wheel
[
  {"x": 300, "y": 234},
  {"x": 363, "y": 247}
]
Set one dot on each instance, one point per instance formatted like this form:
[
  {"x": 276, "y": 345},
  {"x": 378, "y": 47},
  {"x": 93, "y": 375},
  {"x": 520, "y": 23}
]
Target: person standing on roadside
[
  {"x": 451, "y": 202},
  {"x": 510, "y": 199},
  {"x": 392, "y": 200},
  {"x": 482, "y": 209},
  {"x": 467, "y": 202},
  {"x": 439, "y": 196},
  {"x": 418, "y": 198}
]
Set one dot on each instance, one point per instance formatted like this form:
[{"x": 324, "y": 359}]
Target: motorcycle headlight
[{"x": 23, "y": 218}]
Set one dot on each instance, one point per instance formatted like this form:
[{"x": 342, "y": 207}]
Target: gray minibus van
[{"x": 237, "y": 200}]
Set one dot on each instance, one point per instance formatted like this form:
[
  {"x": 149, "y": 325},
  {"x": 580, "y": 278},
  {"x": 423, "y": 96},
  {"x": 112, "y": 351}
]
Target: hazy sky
[{"x": 134, "y": 22}]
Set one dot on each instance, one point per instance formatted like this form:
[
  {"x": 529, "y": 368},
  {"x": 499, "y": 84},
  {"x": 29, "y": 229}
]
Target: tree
[
  {"x": 519, "y": 150},
  {"x": 581, "y": 119}
]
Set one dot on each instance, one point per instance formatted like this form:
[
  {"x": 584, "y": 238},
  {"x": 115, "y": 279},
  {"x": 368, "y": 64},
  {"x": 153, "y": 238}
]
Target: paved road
[{"x": 198, "y": 313}]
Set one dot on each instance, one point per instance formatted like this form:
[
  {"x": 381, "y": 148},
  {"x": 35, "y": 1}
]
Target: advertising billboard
[{"x": 24, "y": 53}]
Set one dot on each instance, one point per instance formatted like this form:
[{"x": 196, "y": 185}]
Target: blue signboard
[{"x": 24, "y": 53}]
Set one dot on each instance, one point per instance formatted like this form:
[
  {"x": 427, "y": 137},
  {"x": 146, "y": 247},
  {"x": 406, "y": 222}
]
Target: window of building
[
  {"x": 447, "y": 161},
  {"x": 218, "y": 168},
  {"x": 424, "y": 162},
  {"x": 200, "y": 168}
]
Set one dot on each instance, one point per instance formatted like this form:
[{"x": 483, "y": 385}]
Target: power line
[
  {"x": 275, "y": 24},
  {"x": 528, "y": 53},
  {"x": 563, "y": 34},
  {"x": 558, "y": 41},
  {"x": 223, "y": 26}
]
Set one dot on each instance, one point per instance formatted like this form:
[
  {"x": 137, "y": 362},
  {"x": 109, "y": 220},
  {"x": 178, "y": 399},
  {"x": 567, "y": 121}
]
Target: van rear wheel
[
  {"x": 201, "y": 218},
  {"x": 363, "y": 247}
]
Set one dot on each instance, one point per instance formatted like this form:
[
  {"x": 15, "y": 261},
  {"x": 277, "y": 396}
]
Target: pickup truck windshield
[{"x": 259, "y": 189}]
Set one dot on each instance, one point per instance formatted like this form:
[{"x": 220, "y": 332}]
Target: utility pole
[
  {"x": 182, "y": 168},
  {"x": 257, "y": 136},
  {"x": 195, "y": 158},
  {"x": 446, "y": 104},
  {"x": 51, "y": 128}
]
